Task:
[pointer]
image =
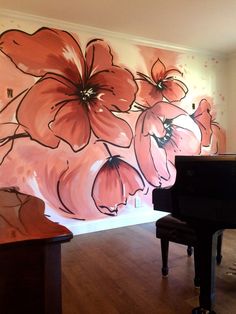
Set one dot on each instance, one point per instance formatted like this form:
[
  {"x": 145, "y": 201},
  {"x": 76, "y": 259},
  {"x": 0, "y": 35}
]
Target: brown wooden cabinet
[{"x": 30, "y": 256}]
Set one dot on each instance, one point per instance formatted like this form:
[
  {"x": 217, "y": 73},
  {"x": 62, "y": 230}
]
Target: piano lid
[
  {"x": 205, "y": 188},
  {"x": 206, "y": 158}
]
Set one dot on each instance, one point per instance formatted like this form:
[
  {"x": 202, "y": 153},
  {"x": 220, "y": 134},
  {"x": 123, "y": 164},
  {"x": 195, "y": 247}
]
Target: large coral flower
[
  {"x": 161, "y": 133},
  {"x": 203, "y": 118},
  {"x": 218, "y": 139},
  {"x": 162, "y": 84},
  {"x": 213, "y": 139},
  {"x": 115, "y": 181},
  {"x": 75, "y": 94}
]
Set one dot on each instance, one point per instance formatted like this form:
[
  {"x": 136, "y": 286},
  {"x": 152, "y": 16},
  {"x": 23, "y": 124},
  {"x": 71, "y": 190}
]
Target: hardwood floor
[{"x": 119, "y": 272}]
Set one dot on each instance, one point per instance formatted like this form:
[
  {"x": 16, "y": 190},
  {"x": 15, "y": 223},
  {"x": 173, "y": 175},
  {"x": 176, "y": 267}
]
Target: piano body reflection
[
  {"x": 204, "y": 195},
  {"x": 30, "y": 255}
]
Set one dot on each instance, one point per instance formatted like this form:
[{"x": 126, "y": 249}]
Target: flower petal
[
  {"x": 163, "y": 165},
  {"x": 120, "y": 179},
  {"x": 8, "y": 112},
  {"x": 155, "y": 128},
  {"x": 158, "y": 71},
  {"x": 142, "y": 146},
  {"x": 203, "y": 119},
  {"x": 71, "y": 124},
  {"x": 13, "y": 81},
  {"x": 183, "y": 142},
  {"x": 7, "y": 129},
  {"x": 108, "y": 179},
  {"x": 174, "y": 90},
  {"x": 7, "y": 133},
  {"x": 98, "y": 56},
  {"x": 218, "y": 139},
  {"x": 131, "y": 179},
  {"x": 109, "y": 128},
  {"x": 152, "y": 124},
  {"x": 184, "y": 137},
  {"x": 147, "y": 94},
  {"x": 5, "y": 150},
  {"x": 165, "y": 110},
  {"x": 145, "y": 159},
  {"x": 46, "y": 50},
  {"x": 40, "y": 105},
  {"x": 116, "y": 88},
  {"x": 156, "y": 158}
]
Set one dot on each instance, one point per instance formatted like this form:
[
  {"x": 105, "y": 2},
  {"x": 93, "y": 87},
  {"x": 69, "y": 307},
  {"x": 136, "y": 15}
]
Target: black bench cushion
[{"x": 175, "y": 230}]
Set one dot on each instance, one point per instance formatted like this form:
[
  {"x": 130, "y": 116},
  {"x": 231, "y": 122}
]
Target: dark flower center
[
  {"x": 160, "y": 85},
  {"x": 87, "y": 94},
  {"x": 161, "y": 141}
]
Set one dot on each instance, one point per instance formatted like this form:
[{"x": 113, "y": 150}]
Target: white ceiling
[{"x": 199, "y": 24}]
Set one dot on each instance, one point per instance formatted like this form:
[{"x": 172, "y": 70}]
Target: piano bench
[{"x": 169, "y": 228}]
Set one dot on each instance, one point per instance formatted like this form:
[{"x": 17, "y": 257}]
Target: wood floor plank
[{"x": 118, "y": 271}]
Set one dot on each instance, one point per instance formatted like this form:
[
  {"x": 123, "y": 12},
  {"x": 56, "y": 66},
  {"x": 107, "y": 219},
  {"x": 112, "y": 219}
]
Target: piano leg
[{"x": 205, "y": 252}]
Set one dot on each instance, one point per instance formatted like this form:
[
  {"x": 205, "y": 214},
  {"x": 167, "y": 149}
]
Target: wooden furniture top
[{"x": 22, "y": 219}]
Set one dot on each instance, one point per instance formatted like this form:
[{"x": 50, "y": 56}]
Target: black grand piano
[{"x": 204, "y": 195}]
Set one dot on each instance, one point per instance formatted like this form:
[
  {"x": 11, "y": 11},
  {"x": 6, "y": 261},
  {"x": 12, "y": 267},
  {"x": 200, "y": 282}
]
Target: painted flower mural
[
  {"x": 164, "y": 131},
  {"x": 120, "y": 179},
  {"x": 160, "y": 84},
  {"x": 75, "y": 94},
  {"x": 203, "y": 119},
  {"x": 78, "y": 106},
  {"x": 212, "y": 136}
]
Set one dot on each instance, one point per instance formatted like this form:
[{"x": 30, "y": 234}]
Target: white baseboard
[{"x": 132, "y": 216}]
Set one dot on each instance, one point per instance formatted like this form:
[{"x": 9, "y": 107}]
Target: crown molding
[{"x": 74, "y": 27}]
